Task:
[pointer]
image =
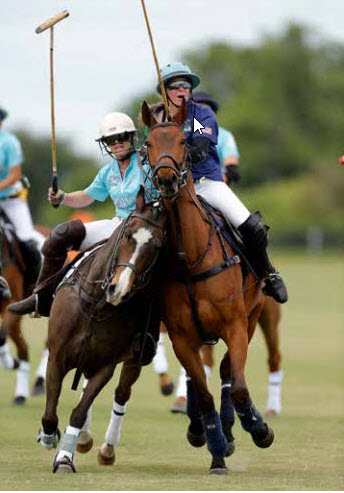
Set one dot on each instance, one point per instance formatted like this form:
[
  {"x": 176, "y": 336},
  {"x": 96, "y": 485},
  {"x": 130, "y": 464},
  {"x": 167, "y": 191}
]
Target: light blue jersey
[
  {"x": 226, "y": 146},
  {"x": 11, "y": 154},
  {"x": 123, "y": 192}
]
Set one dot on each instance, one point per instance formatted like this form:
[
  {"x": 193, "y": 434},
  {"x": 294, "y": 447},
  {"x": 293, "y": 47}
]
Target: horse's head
[
  {"x": 166, "y": 150},
  {"x": 139, "y": 243}
]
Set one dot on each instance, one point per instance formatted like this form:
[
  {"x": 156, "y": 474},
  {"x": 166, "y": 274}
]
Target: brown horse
[
  {"x": 203, "y": 297},
  {"x": 14, "y": 270},
  {"x": 101, "y": 332}
]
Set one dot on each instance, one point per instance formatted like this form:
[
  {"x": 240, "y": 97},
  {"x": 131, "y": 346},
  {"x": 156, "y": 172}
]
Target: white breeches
[
  {"x": 221, "y": 197},
  {"x": 99, "y": 230},
  {"x": 18, "y": 212}
]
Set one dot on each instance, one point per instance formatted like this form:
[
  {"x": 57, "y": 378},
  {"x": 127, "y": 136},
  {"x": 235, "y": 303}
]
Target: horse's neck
[
  {"x": 99, "y": 267},
  {"x": 194, "y": 228}
]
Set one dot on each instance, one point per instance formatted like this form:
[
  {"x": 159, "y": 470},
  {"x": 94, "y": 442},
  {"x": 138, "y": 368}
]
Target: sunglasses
[
  {"x": 178, "y": 83},
  {"x": 112, "y": 139}
]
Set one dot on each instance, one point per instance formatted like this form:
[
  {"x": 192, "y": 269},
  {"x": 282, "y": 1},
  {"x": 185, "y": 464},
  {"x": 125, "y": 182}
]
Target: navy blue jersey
[{"x": 210, "y": 166}]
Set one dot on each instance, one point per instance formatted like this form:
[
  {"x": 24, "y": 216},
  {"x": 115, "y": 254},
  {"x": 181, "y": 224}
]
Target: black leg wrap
[{"x": 195, "y": 433}]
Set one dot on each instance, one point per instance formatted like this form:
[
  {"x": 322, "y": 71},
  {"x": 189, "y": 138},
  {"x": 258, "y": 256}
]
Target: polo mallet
[
  {"x": 162, "y": 87},
  {"x": 49, "y": 24}
]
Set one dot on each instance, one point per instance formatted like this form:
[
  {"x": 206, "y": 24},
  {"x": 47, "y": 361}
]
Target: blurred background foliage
[{"x": 283, "y": 99}]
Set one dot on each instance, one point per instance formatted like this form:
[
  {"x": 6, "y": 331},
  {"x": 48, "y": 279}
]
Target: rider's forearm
[{"x": 77, "y": 199}]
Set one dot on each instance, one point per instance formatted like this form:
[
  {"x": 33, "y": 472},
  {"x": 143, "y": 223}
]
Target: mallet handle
[{"x": 52, "y": 21}]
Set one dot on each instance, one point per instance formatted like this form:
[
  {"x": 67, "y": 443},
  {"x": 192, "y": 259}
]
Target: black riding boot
[
  {"x": 66, "y": 236},
  {"x": 33, "y": 261},
  {"x": 255, "y": 238}
]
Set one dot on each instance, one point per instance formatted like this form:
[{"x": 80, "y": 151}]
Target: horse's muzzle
[{"x": 167, "y": 186}]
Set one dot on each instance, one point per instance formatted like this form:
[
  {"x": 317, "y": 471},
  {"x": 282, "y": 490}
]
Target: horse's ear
[
  {"x": 147, "y": 117},
  {"x": 180, "y": 117},
  {"x": 140, "y": 199}
]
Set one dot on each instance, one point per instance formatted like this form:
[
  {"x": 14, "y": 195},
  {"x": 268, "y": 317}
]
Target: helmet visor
[{"x": 112, "y": 139}]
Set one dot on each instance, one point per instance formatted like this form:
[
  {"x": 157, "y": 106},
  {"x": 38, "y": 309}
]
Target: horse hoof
[
  {"x": 167, "y": 389},
  {"x": 266, "y": 440},
  {"x": 196, "y": 440},
  {"x": 271, "y": 412},
  {"x": 19, "y": 400},
  {"x": 231, "y": 448},
  {"x": 48, "y": 441},
  {"x": 39, "y": 387},
  {"x": 64, "y": 465},
  {"x": 85, "y": 442},
  {"x": 106, "y": 455},
  {"x": 218, "y": 467},
  {"x": 179, "y": 406}
]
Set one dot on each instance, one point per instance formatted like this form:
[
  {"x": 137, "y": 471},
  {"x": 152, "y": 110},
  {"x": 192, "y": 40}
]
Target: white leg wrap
[
  {"x": 160, "y": 363},
  {"x": 181, "y": 387},
  {"x": 208, "y": 371},
  {"x": 42, "y": 367},
  {"x": 222, "y": 198},
  {"x": 113, "y": 433},
  {"x": 22, "y": 384},
  {"x": 87, "y": 423},
  {"x": 69, "y": 443},
  {"x": 274, "y": 398},
  {"x": 6, "y": 359}
]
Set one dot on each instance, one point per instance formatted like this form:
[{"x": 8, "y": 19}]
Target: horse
[
  {"x": 204, "y": 296},
  {"x": 14, "y": 270},
  {"x": 101, "y": 330}
]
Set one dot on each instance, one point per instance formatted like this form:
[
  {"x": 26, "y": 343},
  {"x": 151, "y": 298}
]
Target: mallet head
[{"x": 52, "y": 21}]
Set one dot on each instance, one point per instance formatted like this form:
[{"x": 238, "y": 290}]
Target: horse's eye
[
  {"x": 128, "y": 234},
  {"x": 148, "y": 144},
  {"x": 183, "y": 142}
]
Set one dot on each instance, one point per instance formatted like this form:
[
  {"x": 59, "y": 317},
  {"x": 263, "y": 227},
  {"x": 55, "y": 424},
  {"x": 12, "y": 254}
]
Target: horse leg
[
  {"x": 268, "y": 320},
  {"x": 6, "y": 359},
  {"x": 49, "y": 434},
  {"x": 180, "y": 404},
  {"x": 39, "y": 385},
  {"x": 251, "y": 419},
  {"x": 129, "y": 375},
  {"x": 12, "y": 324},
  {"x": 160, "y": 367},
  {"x": 85, "y": 440},
  {"x": 227, "y": 408},
  {"x": 63, "y": 461},
  {"x": 188, "y": 354}
]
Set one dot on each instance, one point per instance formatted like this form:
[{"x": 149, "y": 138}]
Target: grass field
[{"x": 153, "y": 454}]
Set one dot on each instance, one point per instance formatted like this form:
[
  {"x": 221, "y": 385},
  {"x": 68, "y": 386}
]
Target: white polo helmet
[{"x": 115, "y": 123}]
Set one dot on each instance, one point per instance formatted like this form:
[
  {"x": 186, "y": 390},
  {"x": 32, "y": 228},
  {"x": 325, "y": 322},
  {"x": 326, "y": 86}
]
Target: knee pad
[{"x": 65, "y": 236}]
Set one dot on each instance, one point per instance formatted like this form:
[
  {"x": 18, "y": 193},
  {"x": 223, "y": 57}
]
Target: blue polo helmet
[{"x": 177, "y": 69}]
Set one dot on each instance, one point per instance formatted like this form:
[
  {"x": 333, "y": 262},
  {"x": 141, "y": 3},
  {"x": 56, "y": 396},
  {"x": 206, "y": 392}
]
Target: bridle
[
  {"x": 180, "y": 169},
  {"x": 141, "y": 278}
]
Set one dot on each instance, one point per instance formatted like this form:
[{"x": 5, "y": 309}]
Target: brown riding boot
[{"x": 64, "y": 237}]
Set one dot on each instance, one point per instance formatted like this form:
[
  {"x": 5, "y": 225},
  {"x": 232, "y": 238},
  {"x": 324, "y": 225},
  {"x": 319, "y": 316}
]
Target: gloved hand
[
  {"x": 56, "y": 198},
  {"x": 232, "y": 174}
]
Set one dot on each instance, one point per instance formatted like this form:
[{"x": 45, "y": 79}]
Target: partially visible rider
[
  {"x": 227, "y": 148},
  {"x": 179, "y": 82},
  {"x": 14, "y": 204},
  {"x": 120, "y": 179}
]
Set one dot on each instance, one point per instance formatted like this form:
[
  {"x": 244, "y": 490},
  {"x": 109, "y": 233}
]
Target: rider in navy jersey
[{"x": 179, "y": 81}]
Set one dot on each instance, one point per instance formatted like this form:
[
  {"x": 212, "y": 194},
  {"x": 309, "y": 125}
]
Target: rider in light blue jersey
[{"x": 120, "y": 180}]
